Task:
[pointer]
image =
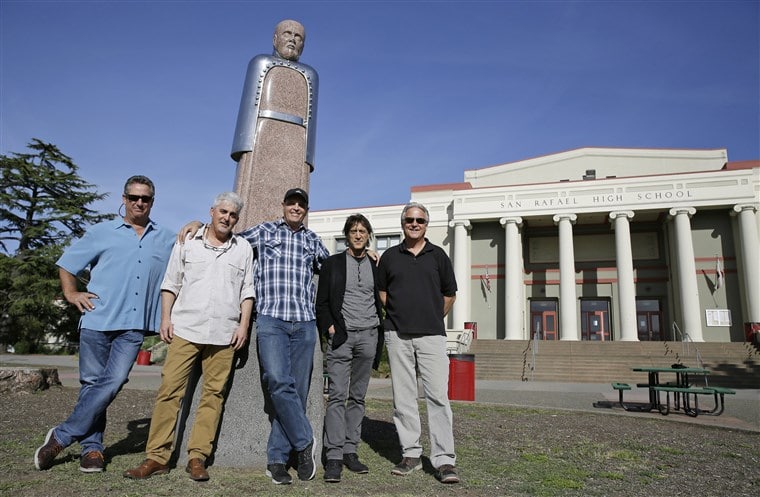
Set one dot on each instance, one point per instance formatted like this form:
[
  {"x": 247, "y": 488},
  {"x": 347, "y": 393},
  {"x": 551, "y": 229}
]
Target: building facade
[{"x": 594, "y": 244}]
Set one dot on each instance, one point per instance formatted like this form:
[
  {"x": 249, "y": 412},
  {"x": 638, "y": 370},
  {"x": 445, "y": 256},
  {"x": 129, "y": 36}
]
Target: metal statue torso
[{"x": 260, "y": 70}]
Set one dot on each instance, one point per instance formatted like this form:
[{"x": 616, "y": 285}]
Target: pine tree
[
  {"x": 43, "y": 205},
  {"x": 43, "y": 200}
]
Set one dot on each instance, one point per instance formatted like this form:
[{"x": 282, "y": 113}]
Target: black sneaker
[
  {"x": 406, "y": 466},
  {"x": 353, "y": 464},
  {"x": 92, "y": 462},
  {"x": 47, "y": 452},
  {"x": 333, "y": 469},
  {"x": 307, "y": 467},
  {"x": 447, "y": 474},
  {"x": 279, "y": 474}
]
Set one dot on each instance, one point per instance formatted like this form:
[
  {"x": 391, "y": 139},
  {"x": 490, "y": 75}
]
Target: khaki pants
[
  {"x": 216, "y": 362},
  {"x": 429, "y": 354}
]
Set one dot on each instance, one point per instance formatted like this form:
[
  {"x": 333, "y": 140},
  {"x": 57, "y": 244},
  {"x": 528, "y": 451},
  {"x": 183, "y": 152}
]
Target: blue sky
[{"x": 411, "y": 93}]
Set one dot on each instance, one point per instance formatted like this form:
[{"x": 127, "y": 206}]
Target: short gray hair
[
  {"x": 412, "y": 205},
  {"x": 142, "y": 180},
  {"x": 231, "y": 197}
]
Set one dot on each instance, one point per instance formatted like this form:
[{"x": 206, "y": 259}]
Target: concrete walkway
[{"x": 742, "y": 410}]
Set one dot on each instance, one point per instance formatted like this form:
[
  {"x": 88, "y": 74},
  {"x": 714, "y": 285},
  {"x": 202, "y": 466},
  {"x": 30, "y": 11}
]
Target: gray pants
[
  {"x": 348, "y": 369},
  {"x": 433, "y": 364}
]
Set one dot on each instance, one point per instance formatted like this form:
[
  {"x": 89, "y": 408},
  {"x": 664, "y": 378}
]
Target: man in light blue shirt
[{"x": 127, "y": 259}]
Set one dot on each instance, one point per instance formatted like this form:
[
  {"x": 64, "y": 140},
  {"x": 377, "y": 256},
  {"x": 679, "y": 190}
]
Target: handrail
[
  {"x": 686, "y": 339},
  {"x": 535, "y": 351}
]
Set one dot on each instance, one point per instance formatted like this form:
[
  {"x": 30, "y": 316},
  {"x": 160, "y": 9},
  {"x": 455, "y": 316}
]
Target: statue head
[{"x": 289, "y": 38}]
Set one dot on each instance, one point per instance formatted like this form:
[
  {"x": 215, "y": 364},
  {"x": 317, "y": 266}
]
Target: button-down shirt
[
  {"x": 125, "y": 273},
  {"x": 210, "y": 284},
  {"x": 284, "y": 267}
]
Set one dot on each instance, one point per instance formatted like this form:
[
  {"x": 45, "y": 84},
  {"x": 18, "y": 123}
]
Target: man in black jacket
[{"x": 349, "y": 315}]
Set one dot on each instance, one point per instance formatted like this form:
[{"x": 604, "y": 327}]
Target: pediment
[{"x": 597, "y": 163}]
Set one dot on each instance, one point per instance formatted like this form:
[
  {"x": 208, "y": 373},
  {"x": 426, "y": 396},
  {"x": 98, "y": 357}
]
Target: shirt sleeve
[
  {"x": 81, "y": 254},
  {"x": 322, "y": 254},
  {"x": 448, "y": 279},
  {"x": 382, "y": 279},
  {"x": 174, "y": 270},
  {"x": 246, "y": 292}
]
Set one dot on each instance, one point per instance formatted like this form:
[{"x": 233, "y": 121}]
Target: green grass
[{"x": 500, "y": 450}]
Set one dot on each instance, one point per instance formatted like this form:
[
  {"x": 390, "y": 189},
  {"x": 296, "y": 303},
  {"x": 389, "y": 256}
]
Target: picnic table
[{"x": 685, "y": 394}]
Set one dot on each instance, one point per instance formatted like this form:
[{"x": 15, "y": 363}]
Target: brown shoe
[
  {"x": 197, "y": 469},
  {"x": 148, "y": 468},
  {"x": 47, "y": 452},
  {"x": 92, "y": 462}
]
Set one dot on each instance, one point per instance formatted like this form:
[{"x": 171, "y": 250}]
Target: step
[{"x": 731, "y": 364}]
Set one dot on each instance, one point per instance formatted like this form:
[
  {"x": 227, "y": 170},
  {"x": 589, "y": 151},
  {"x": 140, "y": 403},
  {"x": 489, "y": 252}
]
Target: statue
[
  {"x": 274, "y": 148},
  {"x": 276, "y": 128}
]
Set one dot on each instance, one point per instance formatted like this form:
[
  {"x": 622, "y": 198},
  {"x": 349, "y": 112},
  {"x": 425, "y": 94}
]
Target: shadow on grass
[
  {"x": 133, "y": 443},
  {"x": 382, "y": 438}
]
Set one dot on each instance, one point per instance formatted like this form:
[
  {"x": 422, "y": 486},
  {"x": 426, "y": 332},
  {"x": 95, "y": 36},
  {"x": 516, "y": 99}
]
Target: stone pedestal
[{"x": 244, "y": 428}]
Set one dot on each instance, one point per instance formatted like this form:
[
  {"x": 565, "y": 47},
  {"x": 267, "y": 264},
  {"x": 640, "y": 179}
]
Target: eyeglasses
[
  {"x": 134, "y": 198},
  {"x": 419, "y": 220}
]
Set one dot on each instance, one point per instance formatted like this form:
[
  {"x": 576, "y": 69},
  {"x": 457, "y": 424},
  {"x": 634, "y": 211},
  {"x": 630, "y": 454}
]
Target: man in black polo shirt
[{"x": 417, "y": 287}]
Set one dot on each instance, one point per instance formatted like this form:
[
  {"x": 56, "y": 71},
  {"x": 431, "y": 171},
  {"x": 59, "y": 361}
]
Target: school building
[{"x": 594, "y": 244}]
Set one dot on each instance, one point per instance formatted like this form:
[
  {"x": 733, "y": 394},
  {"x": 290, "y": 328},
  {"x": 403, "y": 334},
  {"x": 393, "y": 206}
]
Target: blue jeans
[
  {"x": 105, "y": 360},
  {"x": 286, "y": 354}
]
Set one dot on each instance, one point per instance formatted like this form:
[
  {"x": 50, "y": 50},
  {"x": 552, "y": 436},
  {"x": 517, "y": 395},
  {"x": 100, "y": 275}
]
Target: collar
[
  {"x": 120, "y": 222},
  {"x": 201, "y": 234},
  {"x": 284, "y": 223},
  {"x": 427, "y": 248}
]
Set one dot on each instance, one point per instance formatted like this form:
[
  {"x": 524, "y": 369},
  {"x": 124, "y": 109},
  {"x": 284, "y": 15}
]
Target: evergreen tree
[
  {"x": 43, "y": 200},
  {"x": 43, "y": 205}
]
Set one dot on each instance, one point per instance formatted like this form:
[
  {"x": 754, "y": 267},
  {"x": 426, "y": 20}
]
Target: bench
[
  {"x": 621, "y": 387},
  {"x": 719, "y": 393},
  {"x": 686, "y": 393}
]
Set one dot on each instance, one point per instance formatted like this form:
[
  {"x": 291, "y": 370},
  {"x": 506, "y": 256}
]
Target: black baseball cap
[{"x": 296, "y": 192}]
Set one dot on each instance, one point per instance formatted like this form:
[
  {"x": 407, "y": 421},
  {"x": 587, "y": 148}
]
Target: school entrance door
[{"x": 543, "y": 319}]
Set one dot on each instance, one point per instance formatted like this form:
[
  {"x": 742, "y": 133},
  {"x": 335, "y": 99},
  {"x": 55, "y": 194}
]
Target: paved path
[{"x": 742, "y": 410}]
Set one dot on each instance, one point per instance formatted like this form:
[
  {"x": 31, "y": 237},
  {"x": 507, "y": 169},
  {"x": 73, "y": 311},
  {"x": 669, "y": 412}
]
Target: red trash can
[
  {"x": 462, "y": 377},
  {"x": 143, "y": 358}
]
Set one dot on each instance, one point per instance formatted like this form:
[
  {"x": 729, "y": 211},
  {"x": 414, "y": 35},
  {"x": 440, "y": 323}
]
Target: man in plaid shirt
[{"x": 286, "y": 255}]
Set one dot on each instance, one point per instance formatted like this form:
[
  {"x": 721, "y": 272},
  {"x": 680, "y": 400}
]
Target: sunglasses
[
  {"x": 134, "y": 198},
  {"x": 419, "y": 220}
]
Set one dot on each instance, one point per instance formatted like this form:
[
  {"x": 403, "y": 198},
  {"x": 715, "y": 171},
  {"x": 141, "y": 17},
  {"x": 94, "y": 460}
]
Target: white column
[
  {"x": 626, "y": 287},
  {"x": 750, "y": 248},
  {"x": 460, "y": 312},
  {"x": 568, "y": 315},
  {"x": 513, "y": 280},
  {"x": 687, "y": 273}
]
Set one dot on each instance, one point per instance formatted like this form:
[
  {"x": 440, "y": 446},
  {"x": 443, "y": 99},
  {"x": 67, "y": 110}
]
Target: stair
[{"x": 731, "y": 364}]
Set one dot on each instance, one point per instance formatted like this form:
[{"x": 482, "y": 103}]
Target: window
[{"x": 384, "y": 242}]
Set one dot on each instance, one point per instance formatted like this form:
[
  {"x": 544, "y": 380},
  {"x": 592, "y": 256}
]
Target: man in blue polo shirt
[{"x": 127, "y": 259}]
